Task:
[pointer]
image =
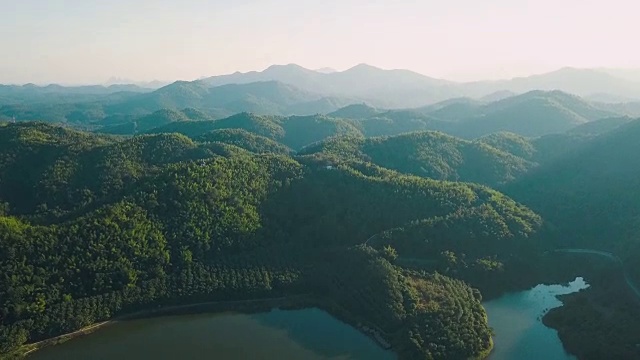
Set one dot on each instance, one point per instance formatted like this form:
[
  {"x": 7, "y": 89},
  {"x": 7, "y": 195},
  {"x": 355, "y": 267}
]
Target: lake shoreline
[
  {"x": 294, "y": 302},
  {"x": 602, "y": 321},
  {"x": 289, "y": 302},
  {"x": 241, "y": 306},
  {"x": 518, "y": 321}
]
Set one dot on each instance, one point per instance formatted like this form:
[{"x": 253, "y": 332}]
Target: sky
[{"x": 90, "y": 41}]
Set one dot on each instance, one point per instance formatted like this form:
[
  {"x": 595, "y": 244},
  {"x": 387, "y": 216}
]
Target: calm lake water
[
  {"x": 308, "y": 334},
  {"x": 517, "y": 321},
  {"x": 279, "y": 334}
]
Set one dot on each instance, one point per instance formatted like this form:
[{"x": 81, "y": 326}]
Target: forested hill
[
  {"x": 293, "y": 131},
  {"x": 246, "y": 140},
  {"x": 267, "y": 97},
  {"x": 429, "y": 154},
  {"x": 92, "y": 227},
  {"x": 591, "y": 195},
  {"x": 590, "y": 198},
  {"x": 536, "y": 113}
]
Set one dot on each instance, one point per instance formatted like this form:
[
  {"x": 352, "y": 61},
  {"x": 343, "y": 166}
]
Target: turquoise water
[
  {"x": 278, "y": 334},
  {"x": 517, "y": 322}
]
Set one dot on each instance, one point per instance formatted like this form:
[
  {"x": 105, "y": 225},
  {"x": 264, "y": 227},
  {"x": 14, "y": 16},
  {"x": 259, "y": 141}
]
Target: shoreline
[
  {"x": 293, "y": 302},
  {"x": 242, "y": 306}
]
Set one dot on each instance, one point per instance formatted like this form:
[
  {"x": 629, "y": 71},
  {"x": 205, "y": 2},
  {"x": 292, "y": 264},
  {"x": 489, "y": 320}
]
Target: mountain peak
[
  {"x": 364, "y": 67},
  {"x": 573, "y": 71},
  {"x": 355, "y": 111},
  {"x": 286, "y": 67}
]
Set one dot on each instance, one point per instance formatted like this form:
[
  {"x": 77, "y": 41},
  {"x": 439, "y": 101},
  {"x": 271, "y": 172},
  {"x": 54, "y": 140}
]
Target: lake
[
  {"x": 517, "y": 322},
  {"x": 278, "y": 334},
  {"x": 307, "y": 334}
]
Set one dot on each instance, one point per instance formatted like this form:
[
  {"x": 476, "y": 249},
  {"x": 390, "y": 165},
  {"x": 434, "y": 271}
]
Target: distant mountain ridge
[
  {"x": 263, "y": 97},
  {"x": 387, "y": 99},
  {"x": 532, "y": 114},
  {"x": 53, "y": 93},
  {"x": 384, "y": 88},
  {"x": 390, "y": 88},
  {"x": 405, "y": 88},
  {"x": 583, "y": 82}
]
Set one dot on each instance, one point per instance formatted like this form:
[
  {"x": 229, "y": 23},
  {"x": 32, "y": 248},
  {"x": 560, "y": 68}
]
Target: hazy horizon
[
  {"x": 116, "y": 80},
  {"x": 88, "y": 42}
]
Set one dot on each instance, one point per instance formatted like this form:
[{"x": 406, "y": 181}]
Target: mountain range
[
  {"x": 375, "y": 86},
  {"x": 383, "y": 102},
  {"x": 531, "y": 114},
  {"x": 404, "y": 88}
]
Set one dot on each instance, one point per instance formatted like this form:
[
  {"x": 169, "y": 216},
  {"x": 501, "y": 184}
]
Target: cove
[
  {"x": 516, "y": 319},
  {"x": 278, "y": 334}
]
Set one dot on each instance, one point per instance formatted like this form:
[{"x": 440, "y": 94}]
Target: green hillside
[
  {"x": 267, "y": 97},
  {"x": 99, "y": 227},
  {"x": 294, "y": 131},
  {"x": 355, "y": 111},
  {"x": 590, "y": 199},
  {"x": 511, "y": 143},
  {"x": 532, "y": 114},
  {"x": 429, "y": 154},
  {"x": 246, "y": 140},
  {"x": 599, "y": 127},
  {"x": 590, "y": 193}
]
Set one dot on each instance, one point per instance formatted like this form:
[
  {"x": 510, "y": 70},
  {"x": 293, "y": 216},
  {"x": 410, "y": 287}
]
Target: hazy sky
[{"x": 89, "y": 41}]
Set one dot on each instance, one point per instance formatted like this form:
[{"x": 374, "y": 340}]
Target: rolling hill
[
  {"x": 53, "y": 93},
  {"x": 428, "y": 154},
  {"x": 394, "y": 122},
  {"x": 246, "y": 140},
  {"x": 591, "y": 194},
  {"x": 293, "y": 131},
  {"x": 454, "y": 109},
  {"x": 531, "y": 114},
  {"x": 269, "y": 97},
  {"x": 355, "y": 112},
  {"x": 582, "y": 82},
  {"x": 109, "y": 226},
  {"x": 599, "y": 127}
]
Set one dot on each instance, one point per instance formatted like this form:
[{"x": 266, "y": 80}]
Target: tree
[{"x": 389, "y": 253}]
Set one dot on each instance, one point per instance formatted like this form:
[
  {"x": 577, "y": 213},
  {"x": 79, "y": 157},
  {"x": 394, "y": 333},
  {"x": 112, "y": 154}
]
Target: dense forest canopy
[
  {"x": 104, "y": 225},
  {"x": 590, "y": 193},
  {"x": 429, "y": 154}
]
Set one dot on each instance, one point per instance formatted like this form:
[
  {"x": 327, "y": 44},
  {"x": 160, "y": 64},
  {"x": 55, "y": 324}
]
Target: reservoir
[
  {"x": 307, "y": 334},
  {"x": 517, "y": 322},
  {"x": 278, "y": 334}
]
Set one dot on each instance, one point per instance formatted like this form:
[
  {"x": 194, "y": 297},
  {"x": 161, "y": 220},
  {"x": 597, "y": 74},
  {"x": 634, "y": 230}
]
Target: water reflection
[
  {"x": 517, "y": 322},
  {"x": 297, "y": 334}
]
